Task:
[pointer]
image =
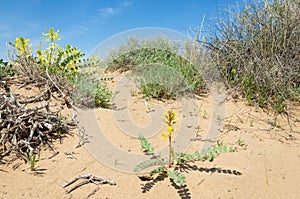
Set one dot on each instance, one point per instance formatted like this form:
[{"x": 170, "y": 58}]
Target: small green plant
[
  {"x": 91, "y": 92},
  {"x": 133, "y": 93},
  {"x": 6, "y": 69},
  {"x": 205, "y": 114},
  {"x": 242, "y": 144},
  {"x": 176, "y": 161},
  {"x": 61, "y": 126},
  {"x": 31, "y": 159},
  {"x": 146, "y": 146}
]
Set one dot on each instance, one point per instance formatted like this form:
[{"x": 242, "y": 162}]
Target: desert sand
[{"x": 266, "y": 166}]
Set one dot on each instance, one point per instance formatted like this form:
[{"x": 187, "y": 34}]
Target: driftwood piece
[{"x": 89, "y": 179}]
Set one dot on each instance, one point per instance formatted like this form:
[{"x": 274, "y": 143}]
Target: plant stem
[{"x": 170, "y": 150}]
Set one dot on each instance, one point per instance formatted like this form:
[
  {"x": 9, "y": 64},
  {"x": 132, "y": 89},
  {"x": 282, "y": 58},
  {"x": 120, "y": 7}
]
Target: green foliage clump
[
  {"x": 146, "y": 146},
  {"x": 6, "y": 69},
  {"x": 61, "y": 68},
  {"x": 62, "y": 61},
  {"x": 257, "y": 52},
  {"x": 156, "y": 60},
  {"x": 53, "y": 59},
  {"x": 32, "y": 160}
]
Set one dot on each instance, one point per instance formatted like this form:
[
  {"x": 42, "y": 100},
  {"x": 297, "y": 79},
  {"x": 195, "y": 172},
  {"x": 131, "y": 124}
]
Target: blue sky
[{"x": 86, "y": 23}]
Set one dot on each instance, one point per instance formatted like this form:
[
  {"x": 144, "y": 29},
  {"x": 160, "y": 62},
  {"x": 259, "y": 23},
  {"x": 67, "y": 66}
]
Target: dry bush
[{"x": 257, "y": 51}]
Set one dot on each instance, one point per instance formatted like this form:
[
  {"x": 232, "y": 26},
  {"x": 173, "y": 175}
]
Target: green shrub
[
  {"x": 6, "y": 69},
  {"x": 91, "y": 92},
  {"x": 257, "y": 52},
  {"x": 59, "y": 67},
  {"x": 155, "y": 59},
  {"x": 53, "y": 59}
]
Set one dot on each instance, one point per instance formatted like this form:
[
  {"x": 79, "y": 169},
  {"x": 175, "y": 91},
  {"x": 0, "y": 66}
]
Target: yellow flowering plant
[
  {"x": 22, "y": 46},
  {"x": 61, "y": 60},
  {"x": 176, "y": 160},
  {"x": 57, "y": 60},
  {"x": 170, "y": 120},
  {"x": 61, "y": 66}
]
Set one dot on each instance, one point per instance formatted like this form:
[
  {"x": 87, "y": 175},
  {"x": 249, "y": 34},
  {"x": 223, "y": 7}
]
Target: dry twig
[{"x": 90, "y": 179}]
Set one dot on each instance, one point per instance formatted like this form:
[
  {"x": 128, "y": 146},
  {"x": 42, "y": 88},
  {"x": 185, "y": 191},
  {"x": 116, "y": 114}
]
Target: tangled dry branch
[{"x": 26, "y": 123}]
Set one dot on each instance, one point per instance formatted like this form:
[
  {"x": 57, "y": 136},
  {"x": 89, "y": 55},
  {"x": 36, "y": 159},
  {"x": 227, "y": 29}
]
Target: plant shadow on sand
[
  {"x": 183, "y": 191},
  {"x": 212, "y": 169}
]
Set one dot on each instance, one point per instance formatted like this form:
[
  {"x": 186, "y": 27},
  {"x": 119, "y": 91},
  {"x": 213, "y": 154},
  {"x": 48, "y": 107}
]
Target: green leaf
[
  {"x": 147, "y": 164},
  {"x": 189, "y": 157},
  {"x": 158, "y": 170},
  {"x": 232, "y": 149},
  {"x": 196, "y": 155},
  {"x": 177, "y": 177},
  {"x": 146, "y": 146}
]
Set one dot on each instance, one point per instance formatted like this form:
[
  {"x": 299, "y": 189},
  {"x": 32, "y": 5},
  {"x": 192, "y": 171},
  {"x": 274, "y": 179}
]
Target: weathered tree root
[{"x": 90, "y": 179}]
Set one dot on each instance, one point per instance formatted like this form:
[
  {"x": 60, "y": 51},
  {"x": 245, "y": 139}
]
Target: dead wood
[
  {"x": 89, "y": 179},
  {"x": 24, "y": 124}
]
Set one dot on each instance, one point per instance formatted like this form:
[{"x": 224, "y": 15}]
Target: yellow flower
[
  {"x": 170, "y": 118},
  {"x": 170, "y": 129},
  {"x": 164, "y": 135}
]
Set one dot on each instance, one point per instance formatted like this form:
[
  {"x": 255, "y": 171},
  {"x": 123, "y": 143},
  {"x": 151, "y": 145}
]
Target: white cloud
[
  {"x": 126, "y": 3},
  {"x": 105, "y": 12},
  {"x": 110, "y": 11}
]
